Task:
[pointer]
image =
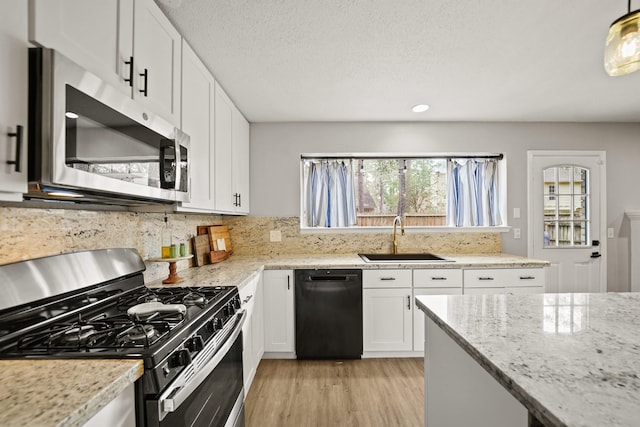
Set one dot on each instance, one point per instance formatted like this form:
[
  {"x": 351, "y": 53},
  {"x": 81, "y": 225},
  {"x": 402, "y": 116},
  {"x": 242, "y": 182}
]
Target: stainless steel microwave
[{"x": 91, "y": 142}]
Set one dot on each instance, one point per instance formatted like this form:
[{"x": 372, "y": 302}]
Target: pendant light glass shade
[{"x": 622, "y": 50}]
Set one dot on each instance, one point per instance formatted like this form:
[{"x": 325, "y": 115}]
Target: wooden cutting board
[
  {"x": 220, "y": 232},
  {"x": 201, "y": 250}
]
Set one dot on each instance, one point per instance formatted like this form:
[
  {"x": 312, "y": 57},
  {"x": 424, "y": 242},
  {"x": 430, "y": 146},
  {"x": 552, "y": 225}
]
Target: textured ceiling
[{"x": 371, "y": 60}]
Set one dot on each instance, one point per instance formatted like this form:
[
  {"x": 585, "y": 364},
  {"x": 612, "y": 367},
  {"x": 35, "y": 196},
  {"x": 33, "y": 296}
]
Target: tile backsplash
[{"x": 27, "y": 233}]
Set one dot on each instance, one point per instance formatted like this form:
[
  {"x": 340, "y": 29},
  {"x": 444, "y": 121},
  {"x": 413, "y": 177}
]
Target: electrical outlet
[
  {"x": 610, "y": 233},
  {"x": 275, "y": 236},
  {"x": 516, "y": 233}
]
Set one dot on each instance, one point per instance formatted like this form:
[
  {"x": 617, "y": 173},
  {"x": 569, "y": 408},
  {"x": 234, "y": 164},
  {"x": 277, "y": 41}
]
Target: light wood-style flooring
[{"x": 367, "y": 392}]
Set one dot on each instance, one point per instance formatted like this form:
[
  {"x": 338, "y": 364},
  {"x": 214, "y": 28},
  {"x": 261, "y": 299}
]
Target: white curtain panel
[
  {"x": 472, "y": 193},
  {"x": 330, "y": 193}
]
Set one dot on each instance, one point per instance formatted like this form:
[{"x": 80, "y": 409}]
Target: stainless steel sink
[{"x": 409, "y": 257}]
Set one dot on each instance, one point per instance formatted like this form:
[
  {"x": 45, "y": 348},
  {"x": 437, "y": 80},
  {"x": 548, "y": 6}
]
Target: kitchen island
[{"x": 545, "y": 359}]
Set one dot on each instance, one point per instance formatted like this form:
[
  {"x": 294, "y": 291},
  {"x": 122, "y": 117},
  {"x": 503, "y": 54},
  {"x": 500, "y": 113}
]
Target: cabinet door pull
[
  {"x": 438, "y": 278},
  {"x": 247, "y": 299},
  {"x": 130, "y": 64},
  {"x": 18, "y": 135},
  {"x": 485, "y": 278},
  {"x": 239, "y": 200},
  {"x": 527, "y": 277},
  {"x": 145, "y": 74},
  {"x": 408, "y": 302},
  {"x": 387, "y": 278},
  {"x": 288, "y": 282}
]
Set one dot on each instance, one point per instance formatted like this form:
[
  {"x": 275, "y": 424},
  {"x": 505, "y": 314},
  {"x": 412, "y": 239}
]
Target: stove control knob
[
  {"x": 217, "y": 324},
  {"x": 228, "y": 310},
  {"x": 236, "y": 304},
  {"x": 180, "y": 358},
  {"x": 195, "y": 343},
  {"x": 232, "y": 308}
]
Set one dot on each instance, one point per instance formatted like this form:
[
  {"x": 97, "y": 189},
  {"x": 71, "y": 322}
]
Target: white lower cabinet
[
  {"x": 431, "y": 281},
  {"x": 387, "y": 310},
  {"x": 387, "y": 319},
  {"x": 252, "y": 333},
  {"x": 120, "y": 412},
  {"x": 279, "y": 318},
  {"x": 504, "y": 280}
]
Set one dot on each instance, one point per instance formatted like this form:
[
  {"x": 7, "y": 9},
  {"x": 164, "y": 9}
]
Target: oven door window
[
  {"x": 212, "y": 402},
  {"x": 102, "y": 141}
]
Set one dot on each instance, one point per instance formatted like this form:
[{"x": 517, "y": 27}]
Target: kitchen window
[{"x": 428, "y": 191}]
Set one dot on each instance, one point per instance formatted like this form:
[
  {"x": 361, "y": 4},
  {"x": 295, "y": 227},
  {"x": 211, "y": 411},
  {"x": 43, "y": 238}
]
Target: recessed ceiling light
[
  {"x": 420, "y": 108},
  {"x": 71, "y": 115}
]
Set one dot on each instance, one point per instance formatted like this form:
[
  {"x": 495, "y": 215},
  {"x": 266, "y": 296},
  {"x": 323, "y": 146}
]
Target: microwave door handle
[
  {"x": 164, "y": 183},
  {"x": 176, "y": 147}
]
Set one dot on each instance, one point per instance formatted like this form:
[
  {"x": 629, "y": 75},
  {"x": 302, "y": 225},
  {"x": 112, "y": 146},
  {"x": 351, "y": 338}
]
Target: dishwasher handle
[{"x": 323, "y": 278}]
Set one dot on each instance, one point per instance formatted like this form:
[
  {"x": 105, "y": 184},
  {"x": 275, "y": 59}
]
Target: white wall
[{"x": 276, "y": 148}]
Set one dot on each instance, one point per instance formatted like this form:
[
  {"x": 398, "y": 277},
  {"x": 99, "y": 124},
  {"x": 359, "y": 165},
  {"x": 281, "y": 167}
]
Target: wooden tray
[
  {"x": 217, "y": 256},
  {"x": 217, "y": 232},
  {"x": 201, "y": 250}
]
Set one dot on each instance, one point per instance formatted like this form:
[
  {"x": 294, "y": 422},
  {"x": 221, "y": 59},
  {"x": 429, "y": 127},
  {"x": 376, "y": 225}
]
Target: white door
[
  {"x": 157, "y": 47},
  {"x": 197, "y": 89},
  {"x": 567, "y": 218},
  {"x": 13, "y": 100},
  {"x": 279, "y": 331},
  {"x": 387, "y": 319},
  {"x": 97, "y": 34},
  {"x": 223, "y": 145}
]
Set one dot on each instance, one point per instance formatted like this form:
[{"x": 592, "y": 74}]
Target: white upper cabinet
[
  {"x": 231, "y": 156},
  {"x": 97, "y": 34},
  {"x": 102, "y": 37},
  {"x": 223, "y": 143},
  {"x": 157, "y": 56},
  {"x": 240, "y": 155},
  {"x": 13, "y": 100},
  {"x": 198, "y": 88}
]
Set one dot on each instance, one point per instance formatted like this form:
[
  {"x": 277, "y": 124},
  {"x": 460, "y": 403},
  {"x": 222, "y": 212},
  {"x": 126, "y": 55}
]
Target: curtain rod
[{"x": 399, "y": 156}]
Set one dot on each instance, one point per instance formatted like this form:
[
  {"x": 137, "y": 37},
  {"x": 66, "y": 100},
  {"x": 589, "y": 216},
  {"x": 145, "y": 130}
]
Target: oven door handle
[{"x": 178, "y": 392}]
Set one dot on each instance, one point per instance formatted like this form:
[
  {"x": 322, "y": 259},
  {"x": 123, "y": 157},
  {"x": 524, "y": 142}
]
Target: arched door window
[{"x": 566, "y": 206}]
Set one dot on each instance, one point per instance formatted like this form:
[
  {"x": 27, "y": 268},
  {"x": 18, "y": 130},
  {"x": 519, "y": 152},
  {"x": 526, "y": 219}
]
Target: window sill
[{"x": 410, "y": 230}]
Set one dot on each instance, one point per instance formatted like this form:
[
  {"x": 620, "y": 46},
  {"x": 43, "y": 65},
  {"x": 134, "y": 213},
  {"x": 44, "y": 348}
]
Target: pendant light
[{"x": 622, "y": 50}]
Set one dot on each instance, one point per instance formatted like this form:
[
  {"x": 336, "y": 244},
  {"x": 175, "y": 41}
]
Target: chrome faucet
[{"x": 397, "y": 220}]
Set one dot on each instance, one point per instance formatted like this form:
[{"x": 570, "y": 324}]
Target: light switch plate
[
  {"x": 275, "y": 236},
  {"x": 516, "y": 213},
  {"x": 610, "y": 233}
]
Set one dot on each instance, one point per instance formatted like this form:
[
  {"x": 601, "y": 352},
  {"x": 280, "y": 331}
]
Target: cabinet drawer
[
  {"x": 495, "y": 278},
  {"x": 437, "y": 278},
  {"x": 386, "y": 278}
]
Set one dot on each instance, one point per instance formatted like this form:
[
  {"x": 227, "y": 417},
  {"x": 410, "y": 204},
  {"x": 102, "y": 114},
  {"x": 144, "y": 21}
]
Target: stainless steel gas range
[{"x": 94, "y": 304}]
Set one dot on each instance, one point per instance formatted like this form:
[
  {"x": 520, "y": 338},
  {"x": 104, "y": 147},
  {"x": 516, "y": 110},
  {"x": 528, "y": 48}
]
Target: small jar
[
  {"x": 183, "y": 249},
  {"x": 173, "y": 251}
]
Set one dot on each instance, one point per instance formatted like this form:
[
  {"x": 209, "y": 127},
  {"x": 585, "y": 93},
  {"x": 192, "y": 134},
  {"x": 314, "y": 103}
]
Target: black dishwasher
[{"x": 328, "y": 307}]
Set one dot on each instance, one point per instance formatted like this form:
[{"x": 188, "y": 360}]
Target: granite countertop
[
  {"x": 69, "y": 392},
  {"x": 60, "y": 392},
  {"x": 570, "y": 359},
  {"x": 237, "y": 270}
]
